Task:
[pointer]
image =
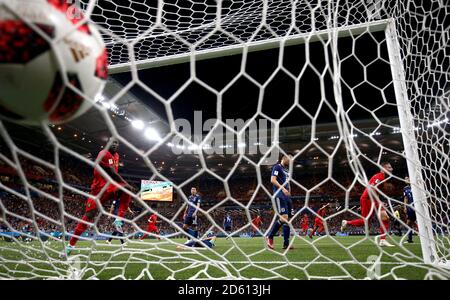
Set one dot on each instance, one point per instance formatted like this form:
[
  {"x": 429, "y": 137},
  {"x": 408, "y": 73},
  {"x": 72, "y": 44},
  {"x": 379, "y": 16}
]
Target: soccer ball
[{"x": 48, "y": 75}]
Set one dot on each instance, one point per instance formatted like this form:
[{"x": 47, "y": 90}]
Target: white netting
[{"x": 340, "y": 70}]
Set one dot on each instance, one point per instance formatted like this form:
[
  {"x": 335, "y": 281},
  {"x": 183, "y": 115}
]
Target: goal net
[{"x": 210, "y": 94}]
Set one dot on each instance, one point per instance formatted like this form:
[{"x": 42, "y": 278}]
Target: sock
[
  {"x": 286, "y": 234},
  {"x": 122, "y": 240},
  {"x": 195, "y": 233},
  {"x": 384, "y": 230},
  {"x": 81, "y": 227},
  {"x": 356, "y": 222},
  {"x": 275, "y": 227},
  {"x": 144, "y": 236},
  {"x": 190, "y": 244},
  {"x": 110, "y": 238},
  {"x": 190, "y": 232},
  {"x": 313, "y": 231},
  {"x": 410, "y": 235},
  {"x": 125, "y": 200},
  {"x": 320, "y": 231}
]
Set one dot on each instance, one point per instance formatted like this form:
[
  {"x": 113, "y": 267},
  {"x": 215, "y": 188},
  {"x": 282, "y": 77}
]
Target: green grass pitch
[{"x": 322, "y": 258}]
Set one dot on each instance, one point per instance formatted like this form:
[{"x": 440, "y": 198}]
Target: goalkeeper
[
  {"x": 207, "y": 242},
  {"x": 118, "y": 224}
]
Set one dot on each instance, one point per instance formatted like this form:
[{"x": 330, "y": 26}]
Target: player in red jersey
[
  {"x": 370, "y": 200},
  {"x": 304, "y": 224},
  {"x": 256, "y": 224},
  {"x": 151, "y": 227},
  {"x": 318, "y": 221},
  {"x": 106, "y": 191}
]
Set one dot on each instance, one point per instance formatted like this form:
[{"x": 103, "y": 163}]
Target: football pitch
[{"x": 324, "y": 258}]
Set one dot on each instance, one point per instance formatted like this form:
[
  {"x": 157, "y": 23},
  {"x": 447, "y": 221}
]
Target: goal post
[
  {"x": 414, "y": 164},
  {"x": 427, "y": 238}
]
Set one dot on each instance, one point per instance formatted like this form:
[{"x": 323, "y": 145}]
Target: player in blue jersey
[
  {"x": 27, "y": 232},
  {"x": 207, "y": 242},
  {"x": 118, "y": 225},
  {"x": 282, "y": 195},
  {"x": 409, "y": 209},
  {"x": 190, "y": 214},
  {"x": 228, "y": 224}
]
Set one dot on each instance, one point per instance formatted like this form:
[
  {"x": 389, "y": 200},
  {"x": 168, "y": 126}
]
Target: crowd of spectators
[{"x": 47, "y": 210}]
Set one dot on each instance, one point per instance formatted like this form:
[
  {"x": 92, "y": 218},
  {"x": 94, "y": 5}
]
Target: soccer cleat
[
  {"x": 108, "y": 242},
  {"x": 343, "y": 225},
  {"x": 408, "y": 242},
  {"x": 269, "y": 243},
  {"x": 67, "y": 251},
  {"x": 384, "y": 243},
  {"x": 290, "y": 247}
]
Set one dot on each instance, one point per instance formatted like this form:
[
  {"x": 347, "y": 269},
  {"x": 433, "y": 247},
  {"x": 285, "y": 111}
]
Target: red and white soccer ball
[{"x": 37, "y": 69}]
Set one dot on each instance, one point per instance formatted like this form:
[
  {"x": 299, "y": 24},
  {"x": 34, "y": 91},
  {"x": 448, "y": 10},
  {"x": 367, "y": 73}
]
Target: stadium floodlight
[
  {"x": 99, "y": 98},
  {"x": 106, "y": 105},
  {"x": 396, "y": 130},
  {"x": 151, "y": 134},
  {"x": 138, "y": 124},
  {"x": 224, "y": 146},
  {"x": 437, "y": 123}
]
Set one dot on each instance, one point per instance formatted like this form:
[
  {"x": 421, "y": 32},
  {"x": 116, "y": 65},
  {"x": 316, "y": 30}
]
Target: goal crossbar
[{"x": 291, "y": 40}]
